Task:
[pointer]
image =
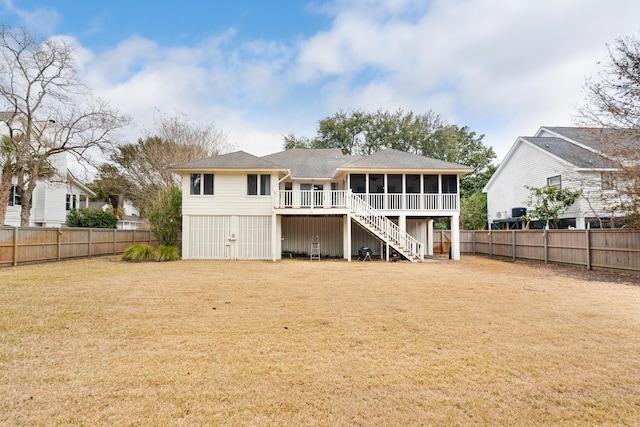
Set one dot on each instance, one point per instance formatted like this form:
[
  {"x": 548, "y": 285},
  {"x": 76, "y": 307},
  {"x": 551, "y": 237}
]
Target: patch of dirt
[{"x": 582, "y": 273}]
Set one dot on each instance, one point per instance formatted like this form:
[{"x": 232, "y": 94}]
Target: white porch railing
[
  {"x": 341, "y": 199},
  {"x": 311, "y": 199}
]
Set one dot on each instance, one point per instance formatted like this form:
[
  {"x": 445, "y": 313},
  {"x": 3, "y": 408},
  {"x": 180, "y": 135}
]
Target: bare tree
[
  {"x": 613, "y": 102},
  {"x": 6, "y": 174},
  {"x": 49, "y": 111},
  {"x": 140, "y": 171}
]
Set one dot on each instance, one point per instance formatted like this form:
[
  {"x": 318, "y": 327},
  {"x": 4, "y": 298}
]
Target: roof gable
[
  {"x": 236, "y": 160},
  {"x": 318, "y": 163}
]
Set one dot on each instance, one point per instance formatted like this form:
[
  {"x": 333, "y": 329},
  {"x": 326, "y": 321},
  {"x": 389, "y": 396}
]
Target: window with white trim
[
  {"x": 261, "y": 183},
  {"x": 201, "y": 184},
  {"x": 15, "y": 196},
  {"x": 555, "y": 181}
]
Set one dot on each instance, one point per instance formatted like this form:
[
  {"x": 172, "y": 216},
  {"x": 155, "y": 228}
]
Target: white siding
[
  {"x": 418, "y": 229},
  {"x": 297, "y": 233},
  {"x": 229, "y": 198},
  {"x": 526, "y": 166},
  {"x": 205, "y": 237},
  {"x": 226, "y": 237},
  {"x": 254, "y": 237},
  {"x": 362, "y": 238}
]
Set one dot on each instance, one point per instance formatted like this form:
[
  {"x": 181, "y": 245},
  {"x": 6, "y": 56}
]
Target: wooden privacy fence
[
  {"x": 615, "y": 250},
  {"x": 23, "y": 245}
]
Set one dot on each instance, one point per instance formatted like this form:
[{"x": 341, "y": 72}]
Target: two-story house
[
  {"x": 52, "y": 198},
  {"x": 565, "y": 157},
  {"x": 239, "y": 206}
]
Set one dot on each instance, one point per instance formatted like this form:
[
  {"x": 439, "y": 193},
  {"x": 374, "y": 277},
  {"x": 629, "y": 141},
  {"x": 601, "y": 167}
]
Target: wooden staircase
[{"x": 384, "y": 229}]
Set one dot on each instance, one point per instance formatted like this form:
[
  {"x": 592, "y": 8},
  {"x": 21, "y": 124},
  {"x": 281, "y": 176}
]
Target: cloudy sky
[{"x": 261, "y": 69}]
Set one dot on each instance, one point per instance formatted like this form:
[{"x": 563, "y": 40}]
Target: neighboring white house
[
  {"x": 239, "y": 206},
  {"x": 131, "y": 219},
  {"x": 565, "y": 157},
  {"x": 52, "y": 199}
]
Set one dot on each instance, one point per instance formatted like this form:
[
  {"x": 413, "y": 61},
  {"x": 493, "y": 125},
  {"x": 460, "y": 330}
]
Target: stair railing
[{"x": 389, "y": 230}]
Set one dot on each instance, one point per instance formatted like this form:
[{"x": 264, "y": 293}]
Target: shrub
[
  {"x": 168, "y": 253},
  {"x": 91, "y": 218},
  {"x": 139, "y": 253},
  {"x": 165, "y": 217}
]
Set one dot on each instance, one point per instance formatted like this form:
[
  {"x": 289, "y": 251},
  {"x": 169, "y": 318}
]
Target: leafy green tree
[
  {"x": 548, "y": 203},
  {"x": 473, "y": 211},
  {"x": 91, "y": 218},
  {"x": 358, "y": 132},
  {"x": 461, "y": 145},
  {"x": 165, "y": 216}
]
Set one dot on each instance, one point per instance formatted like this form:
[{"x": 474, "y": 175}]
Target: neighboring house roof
[
  {"x": 401, "y": 160},
  {"x": 311, "y": 163},
  {"x": 74, "y": 181},
  {"x": 236, "y": 160},
  {"x": 581, "y": 148},
  {"x": 572, "y": 153}
]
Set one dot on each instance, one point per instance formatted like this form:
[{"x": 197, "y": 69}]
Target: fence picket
[{"x": 25, "y": 245}]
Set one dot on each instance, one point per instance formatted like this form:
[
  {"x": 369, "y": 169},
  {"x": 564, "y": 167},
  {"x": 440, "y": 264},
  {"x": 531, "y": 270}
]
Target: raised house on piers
[{"x": 240, "y": 206}]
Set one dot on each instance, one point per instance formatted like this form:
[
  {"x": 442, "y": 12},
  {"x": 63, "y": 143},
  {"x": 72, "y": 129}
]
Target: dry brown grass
[{"x": 104, "y": 342}]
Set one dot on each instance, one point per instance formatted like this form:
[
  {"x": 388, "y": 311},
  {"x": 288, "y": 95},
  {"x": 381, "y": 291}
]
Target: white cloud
[
  {"x": 516, "y": 65},
  {"x": 503, "y": 67}
]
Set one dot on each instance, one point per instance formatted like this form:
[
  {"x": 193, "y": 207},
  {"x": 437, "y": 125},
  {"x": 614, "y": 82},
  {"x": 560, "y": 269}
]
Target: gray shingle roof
[
  {"x": 236, "y": 160},
  {"x": 320, "y": 163},
  {"x": 395, "y": 159},
  {"x": 311, "y": 163},
  {"x": 569, "y": 152}
]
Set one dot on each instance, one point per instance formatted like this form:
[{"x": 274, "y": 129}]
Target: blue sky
[{"x": 260, "y": 69}]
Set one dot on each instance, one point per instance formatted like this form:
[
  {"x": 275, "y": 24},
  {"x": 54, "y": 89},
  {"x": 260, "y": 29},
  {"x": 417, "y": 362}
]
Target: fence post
[
  {"x": 59, "y": 244},
  {"x": 134, "y": 236},
  {"x": 15, "y": 246},
  {"x": 546, "y": 245},
  {"x": 588, "y": 247},
  {"x": 90, "y": 235},
  {"x": 513, "y": 244},
  {"x": 473, "y": 233},
  {"x": 490, "y": 244},
  {"x": 115, "y": 238}
]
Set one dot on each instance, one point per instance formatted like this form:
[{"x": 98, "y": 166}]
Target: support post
[
  {"x": 513, "y": 244},
  {"x": 430, "y": 237},
  {"x": 455, "y": 237},
  {"x": 347, "y": 237}
]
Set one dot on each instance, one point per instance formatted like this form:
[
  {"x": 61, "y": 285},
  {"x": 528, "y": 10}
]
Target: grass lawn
[{"x": 474, "y": 342}]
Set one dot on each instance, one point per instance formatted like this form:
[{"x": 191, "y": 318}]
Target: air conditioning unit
[
  {"x": 499, "y": 215},
  {"x": 518, "y": 212}
]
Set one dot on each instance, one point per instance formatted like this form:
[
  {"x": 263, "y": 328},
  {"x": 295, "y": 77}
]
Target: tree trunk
[
  {"x": 27, "y": 195},
  {"x": 5, "y": 190},
  {"x": 25, "y": 211}
]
